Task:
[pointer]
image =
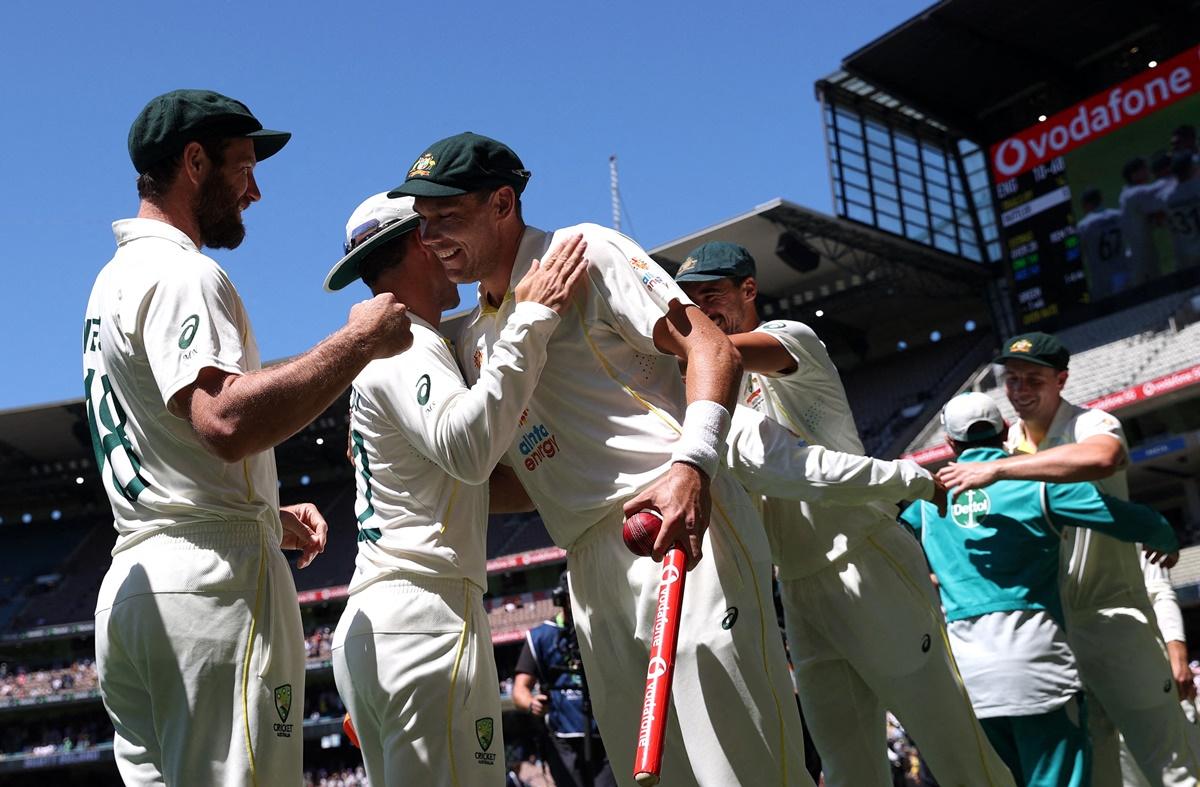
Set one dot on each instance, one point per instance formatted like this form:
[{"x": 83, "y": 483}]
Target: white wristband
[{"x": 702, "y": 442}]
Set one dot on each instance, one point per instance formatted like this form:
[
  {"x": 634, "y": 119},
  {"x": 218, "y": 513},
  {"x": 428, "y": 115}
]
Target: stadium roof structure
[
  {"x": 983, "y": 69},
  {"x": 867, "y": 282}
]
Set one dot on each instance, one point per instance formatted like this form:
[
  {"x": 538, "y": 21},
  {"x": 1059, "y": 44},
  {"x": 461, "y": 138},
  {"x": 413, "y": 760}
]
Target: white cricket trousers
[
  {"x": 867, "y": 635},
  {"x": 733, "y": 718},
  {"x": 413, "y": 662},
  {"x": 200, "y": 656},
  {"x": 1123, "y": 664}
]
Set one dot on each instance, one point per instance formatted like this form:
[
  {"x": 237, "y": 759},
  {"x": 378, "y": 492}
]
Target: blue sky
[{"x": 708, "y": 106}]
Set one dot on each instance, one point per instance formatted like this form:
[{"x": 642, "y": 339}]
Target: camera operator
[{"x": 550, "y": 661}]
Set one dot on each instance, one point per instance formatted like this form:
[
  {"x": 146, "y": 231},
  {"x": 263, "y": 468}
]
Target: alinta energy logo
[{"x": 969, "y": 508}]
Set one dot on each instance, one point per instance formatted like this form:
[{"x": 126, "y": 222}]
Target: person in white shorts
[
  {"x": 412, "y": 653},
  {"x": 606, "y": 434},
  {"x": 1109, "y": 620},
  {"x": 863, "y": 622},
  {"x": 199, "y": 647}
]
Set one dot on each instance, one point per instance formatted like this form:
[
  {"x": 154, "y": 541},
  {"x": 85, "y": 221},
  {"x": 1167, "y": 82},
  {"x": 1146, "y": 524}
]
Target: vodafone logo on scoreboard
[{"x": 1085, "y": 122}]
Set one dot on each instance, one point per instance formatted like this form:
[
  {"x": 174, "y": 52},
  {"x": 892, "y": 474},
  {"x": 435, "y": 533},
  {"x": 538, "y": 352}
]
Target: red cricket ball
[{"x": 640, "y": 531}]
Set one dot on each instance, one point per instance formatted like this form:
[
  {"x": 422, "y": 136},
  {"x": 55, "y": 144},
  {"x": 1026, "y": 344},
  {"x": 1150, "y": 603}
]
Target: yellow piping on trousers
[
  {"x": 258, "y": 595},
  {"x": 462, "y": 645},
  {"x": 666, "y": 418}
]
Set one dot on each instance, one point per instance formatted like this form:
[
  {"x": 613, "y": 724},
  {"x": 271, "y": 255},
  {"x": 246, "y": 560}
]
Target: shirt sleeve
[
  {"x": 801, "y": 343},
  {"x": 1082, "y": 505},
  {"x": 1166, "y": 604},
  {"x": 526, "y": 663},
  {"x": 769, "y": 460},
  {"x": 194, "y": 320},
  {"x": 1097, "y": 422},
  {"x": 465, "y": 430},
  {"x": 636, "y": 291}
]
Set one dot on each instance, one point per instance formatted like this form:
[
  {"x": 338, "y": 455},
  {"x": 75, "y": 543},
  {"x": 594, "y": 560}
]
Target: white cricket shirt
[
  {"x": 811, "y": 402},
  {"x": 1138, "y": 204},
  {"x": 159, "y": 312},
  {"x": 603, "y": 420},
  {"x": 424, "y": 446},
  {"x": 1099, "y": 571},
  {"x": 1183, "y": 220}
]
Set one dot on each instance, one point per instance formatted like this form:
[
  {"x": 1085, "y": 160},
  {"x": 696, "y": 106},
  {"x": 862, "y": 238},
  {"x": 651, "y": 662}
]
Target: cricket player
[
  {"x": 863, "y": 624},
  {"x": 1110, "y": 623},
  {"x": 1103, "y": 253},
  {"x": 412, "y": 653},
  {"x": 1143, "y": 207},
  {"x": 996, "y": 557},
  {"x": 1183, "y": 210},
  {"x": 199, "y": 648},
  {"x": 611, "y": 429}
]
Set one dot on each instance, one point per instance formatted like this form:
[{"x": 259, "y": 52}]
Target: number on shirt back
[
  {"x": 1110, "y": 243},
  {"x": 358, "y": 452},
  {"x": 110, "y": 441}
]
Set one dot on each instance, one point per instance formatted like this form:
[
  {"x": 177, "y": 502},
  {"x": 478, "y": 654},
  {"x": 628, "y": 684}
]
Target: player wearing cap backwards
[
  {"x": 412, "y": 654},
  {"x": 863, "y": 623},
  {"x": 1110, "y": 623},
  {"x": 996, "y": 557},
  {"x": 610, "y": 429},
  {"x": 199, "y": 648}
]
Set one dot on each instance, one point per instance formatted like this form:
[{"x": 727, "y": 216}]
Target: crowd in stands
[
  {"x": 18, "y": 683},
  {"x": 318, "y": 646},
  {"x": 342, "y": 777},
  {"x": 44, "y": 739}
]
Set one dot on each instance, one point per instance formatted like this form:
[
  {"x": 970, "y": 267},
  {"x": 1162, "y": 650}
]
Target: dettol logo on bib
[{"x": 968, "y": 508}]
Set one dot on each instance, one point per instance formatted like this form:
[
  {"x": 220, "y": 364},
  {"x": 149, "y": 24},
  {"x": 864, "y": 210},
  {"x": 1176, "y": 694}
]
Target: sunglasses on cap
[{"x": 367, "y": 230}]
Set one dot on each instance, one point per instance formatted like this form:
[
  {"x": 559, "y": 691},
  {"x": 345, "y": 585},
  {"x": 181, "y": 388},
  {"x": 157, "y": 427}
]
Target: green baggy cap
[
  {"x": 461, "y": 164},
  {"x": 716, "y": 260},
  {"x": 1037, "y": 347},
  {"x": 170, "y": 121}
]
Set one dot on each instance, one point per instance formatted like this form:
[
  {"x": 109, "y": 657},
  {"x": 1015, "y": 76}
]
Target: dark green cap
[
  {"x": 1036, "y": 347},
  {"x": 716, "y": 260},
  {"x": 174, "y": 119},
  {"x": 461, "y": 164}
]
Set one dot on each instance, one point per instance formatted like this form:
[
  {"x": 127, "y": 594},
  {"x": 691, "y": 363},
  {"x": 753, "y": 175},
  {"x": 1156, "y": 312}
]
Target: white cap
[
  {"x": 972, "y": 416},
  {"x": 377, "y": 219}
]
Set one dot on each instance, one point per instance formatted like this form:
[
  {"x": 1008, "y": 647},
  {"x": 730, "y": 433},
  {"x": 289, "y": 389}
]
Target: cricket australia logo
[
  {"x": 283, "y": 706},
  {"x": 687, "y": 265},
  {"x": 969, "y": 508},
  {"x": 1020, "y": 346},
  {"x": 485, "y": 730}
]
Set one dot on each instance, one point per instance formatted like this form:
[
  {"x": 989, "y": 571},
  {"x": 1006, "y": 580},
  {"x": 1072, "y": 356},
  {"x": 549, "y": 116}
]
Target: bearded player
[
  {"x": 412, "y": 653},
  {"x": 862, "y": 618}
]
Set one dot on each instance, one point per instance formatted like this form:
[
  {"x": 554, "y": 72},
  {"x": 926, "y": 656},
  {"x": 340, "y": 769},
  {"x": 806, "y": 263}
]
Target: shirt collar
[{"x": 127, "y": 230}]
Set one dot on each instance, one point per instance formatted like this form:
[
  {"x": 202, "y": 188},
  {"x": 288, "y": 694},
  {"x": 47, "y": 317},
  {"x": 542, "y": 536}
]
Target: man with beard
[
  {"x": 1109, "y": 619},
  {"x": 199, "y": 648}
]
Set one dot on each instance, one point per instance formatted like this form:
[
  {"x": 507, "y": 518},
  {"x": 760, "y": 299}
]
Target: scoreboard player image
[
  {"x": 1103, "y": 250},
  {"x": 1183, "y": 209},
  {"x": 1143, "y": 207}
]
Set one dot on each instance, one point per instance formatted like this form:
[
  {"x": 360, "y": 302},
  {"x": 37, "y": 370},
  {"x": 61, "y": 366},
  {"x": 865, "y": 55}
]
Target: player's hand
[
  {"x": 683, "y": 498},
  {"x": 1165, "y": 559},
  {"x": 940, "y": 496},
  {"x": 539, "y": 705},
  {"x": 1180, "y": 671},
  {"x": 959, "y": 477},
  {"x": 382, "y": 323},
  {"x": 555, "y": 281},
  {"x": 305, "y": 529}
]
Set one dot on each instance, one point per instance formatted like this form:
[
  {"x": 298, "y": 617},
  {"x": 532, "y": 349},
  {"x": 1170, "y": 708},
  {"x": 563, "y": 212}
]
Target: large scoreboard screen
[{"x": 1104, "y": 196}]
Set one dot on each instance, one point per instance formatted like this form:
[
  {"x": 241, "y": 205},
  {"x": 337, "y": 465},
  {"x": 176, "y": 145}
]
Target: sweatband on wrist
[{"x": 702, "y": 441}]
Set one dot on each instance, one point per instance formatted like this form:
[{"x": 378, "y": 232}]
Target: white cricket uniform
[
  {"x": 412, "y": 654},
  {"x": 198, "y": 538},
  {"x": 1103, "y": 252},
  {"x": 1139, "y": 203},
  {"x": 600, "y": 427},
  {"x": 863, "y": 621},
  {"x": 1170, "y": 626},
  {"x": 1110, "y": 626},
  {"x": 1183, "y": 221}
]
